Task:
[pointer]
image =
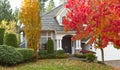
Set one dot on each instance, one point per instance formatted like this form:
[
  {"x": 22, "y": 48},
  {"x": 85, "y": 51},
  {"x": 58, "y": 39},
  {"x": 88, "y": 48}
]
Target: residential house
[{"x": 52, "y": 28}]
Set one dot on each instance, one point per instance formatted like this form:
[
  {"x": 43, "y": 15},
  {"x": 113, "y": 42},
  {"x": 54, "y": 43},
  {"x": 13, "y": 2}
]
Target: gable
[
  {"x": 49, "y": 21},
  {"x": 60, "y": 15}
]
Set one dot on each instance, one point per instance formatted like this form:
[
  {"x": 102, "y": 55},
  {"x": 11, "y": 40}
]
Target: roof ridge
[{"x": 52, "y": 10}]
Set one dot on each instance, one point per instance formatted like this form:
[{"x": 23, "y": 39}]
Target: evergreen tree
[
  {"x": 16, "y": 14},
  {"x": 50, "y": 6},
  {"x": 5, "y": 10},
  {"x": 42, "y": 5},
  {"x": 50, "y": 46}
]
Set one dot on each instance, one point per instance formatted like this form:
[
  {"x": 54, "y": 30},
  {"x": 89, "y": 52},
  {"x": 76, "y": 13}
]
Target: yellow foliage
[
  {"x": 9, "y": 27},
  {"x": 30, "y": 17}
]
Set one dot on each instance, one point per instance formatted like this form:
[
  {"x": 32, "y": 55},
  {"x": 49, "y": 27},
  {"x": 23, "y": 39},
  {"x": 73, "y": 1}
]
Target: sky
[{"x": 17, "y": 3}]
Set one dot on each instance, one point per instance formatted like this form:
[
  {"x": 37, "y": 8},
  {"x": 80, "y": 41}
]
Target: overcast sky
[{"x": 17, "y": 3}]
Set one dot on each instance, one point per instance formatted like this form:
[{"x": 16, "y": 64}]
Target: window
[{"x": 45, "y": 35}]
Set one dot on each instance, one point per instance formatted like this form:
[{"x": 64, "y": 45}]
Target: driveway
[{"x": 114, "y": 63}]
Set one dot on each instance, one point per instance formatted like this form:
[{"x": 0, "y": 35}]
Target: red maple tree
[{"x": 98, "y": 19}]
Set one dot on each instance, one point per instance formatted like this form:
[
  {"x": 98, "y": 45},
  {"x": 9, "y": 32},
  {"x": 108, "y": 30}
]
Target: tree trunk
[
  {"x": 102, "y": 52},
  {"x": 35, "y": 57}
]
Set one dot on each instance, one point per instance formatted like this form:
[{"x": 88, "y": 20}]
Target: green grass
[{"x": 58, "y": 64}]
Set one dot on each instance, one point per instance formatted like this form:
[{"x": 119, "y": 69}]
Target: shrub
[
  {"x": 62, "y": 56},
  {"x": 51, "y": 56},
  {"x": 100, "y": 62},
  {"x": 2, "y": 31},
  {"x": 60, "y": 52},
  {"x": 50, "y": 46},
  {"x": 90, "y": 57},
  {"x": 80, "y": 55},
  {"x": 10, "y": 40},
  {"x": 9, "y": 55},
  {"x": 42, "y": 54},
  {"x": 27, "y": 53},
  {"x": 86, "y": 51}
]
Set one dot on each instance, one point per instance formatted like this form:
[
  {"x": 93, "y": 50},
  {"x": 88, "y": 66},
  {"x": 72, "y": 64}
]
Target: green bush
[
  {"x": 42, "y": 54},
  {"x": 90, "y": 57},
  {"x": 10, "y": 40},
  {"x": 80, "y": 55},
  {"x": 62, "y": 56},
  {"x": 50, "y": 46},
  {"x": 99, "y": 62},
  {"x": 51, "y": 56},
  {"x": 27, "y": 53},
  {"x": 9, "y": 55},
  {"x": 58, "y": 52},
  {"x": 2, "y": 31}
]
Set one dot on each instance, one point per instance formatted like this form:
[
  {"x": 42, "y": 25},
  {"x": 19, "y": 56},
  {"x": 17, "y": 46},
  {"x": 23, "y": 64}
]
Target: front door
[{"x": 66, "y": 44}]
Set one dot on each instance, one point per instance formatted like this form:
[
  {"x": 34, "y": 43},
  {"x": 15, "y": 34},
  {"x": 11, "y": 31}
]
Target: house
[{"x": 52, "y": 28}]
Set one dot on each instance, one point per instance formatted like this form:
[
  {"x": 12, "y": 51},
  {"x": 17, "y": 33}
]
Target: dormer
[{"x": 60, "y": 15}]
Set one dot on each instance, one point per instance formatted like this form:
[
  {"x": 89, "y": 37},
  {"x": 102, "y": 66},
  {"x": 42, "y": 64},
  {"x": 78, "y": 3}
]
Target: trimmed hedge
[
  {"x": 10, "y": 40},
  {"x": 60, "y": 52},
  {"x": 42, "y": 54},
  {"x": 51, "y": 56},
  {"x": 9, "y": 55},
  {"x": 50, "y": 46},
  {"x": 27, "y": 53},
  {"x": 62, "y": 56},
  {"x": 90, "y": 57},
  {"x": 2, "y": 31},
  {"x": 80, "y": 55}
]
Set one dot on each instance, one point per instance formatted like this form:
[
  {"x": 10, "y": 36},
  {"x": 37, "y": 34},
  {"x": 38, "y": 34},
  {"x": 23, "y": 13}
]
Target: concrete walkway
[{"x": 114, "y": 63}]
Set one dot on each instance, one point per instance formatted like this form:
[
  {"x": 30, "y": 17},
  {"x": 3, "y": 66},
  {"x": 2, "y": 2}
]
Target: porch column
[
  {"x": 21, "y": 36},
  {"x": 76, "y": 44},
  {"x": 59, "y": 44},
  {"x": 79, "y": 43},
  {"x": 60, "y": 47}
]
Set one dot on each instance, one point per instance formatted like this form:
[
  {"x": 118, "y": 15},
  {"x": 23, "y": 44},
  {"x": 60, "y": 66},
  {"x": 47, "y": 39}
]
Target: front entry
[{"x": 66, "y": 44}]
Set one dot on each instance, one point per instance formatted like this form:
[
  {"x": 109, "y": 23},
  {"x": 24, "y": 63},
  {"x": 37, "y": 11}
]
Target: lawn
[{"x": 58, "y": 64}]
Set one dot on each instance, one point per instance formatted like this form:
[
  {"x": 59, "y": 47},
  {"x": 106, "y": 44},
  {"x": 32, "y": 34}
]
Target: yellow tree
[{"x": 30, "y": 17}]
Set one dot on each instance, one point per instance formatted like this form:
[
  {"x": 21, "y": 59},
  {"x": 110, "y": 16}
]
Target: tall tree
[
  {"x": 5, "y": 10},
  {"x": 50, "y": 6},
  {"x": 30, "y": 17},
  {"x": 16, "y": 14},
  {"x": 98, "y": 19},
  {"x": 9, "y": 28},
  {"x": 42, "y": 5}
]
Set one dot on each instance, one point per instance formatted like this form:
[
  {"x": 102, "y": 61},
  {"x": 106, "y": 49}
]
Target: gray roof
[{"x": 49, "y": 21}]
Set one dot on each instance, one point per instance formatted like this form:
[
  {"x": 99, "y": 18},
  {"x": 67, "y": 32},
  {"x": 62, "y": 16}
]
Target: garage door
[{"x": 110, "y": 53}]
